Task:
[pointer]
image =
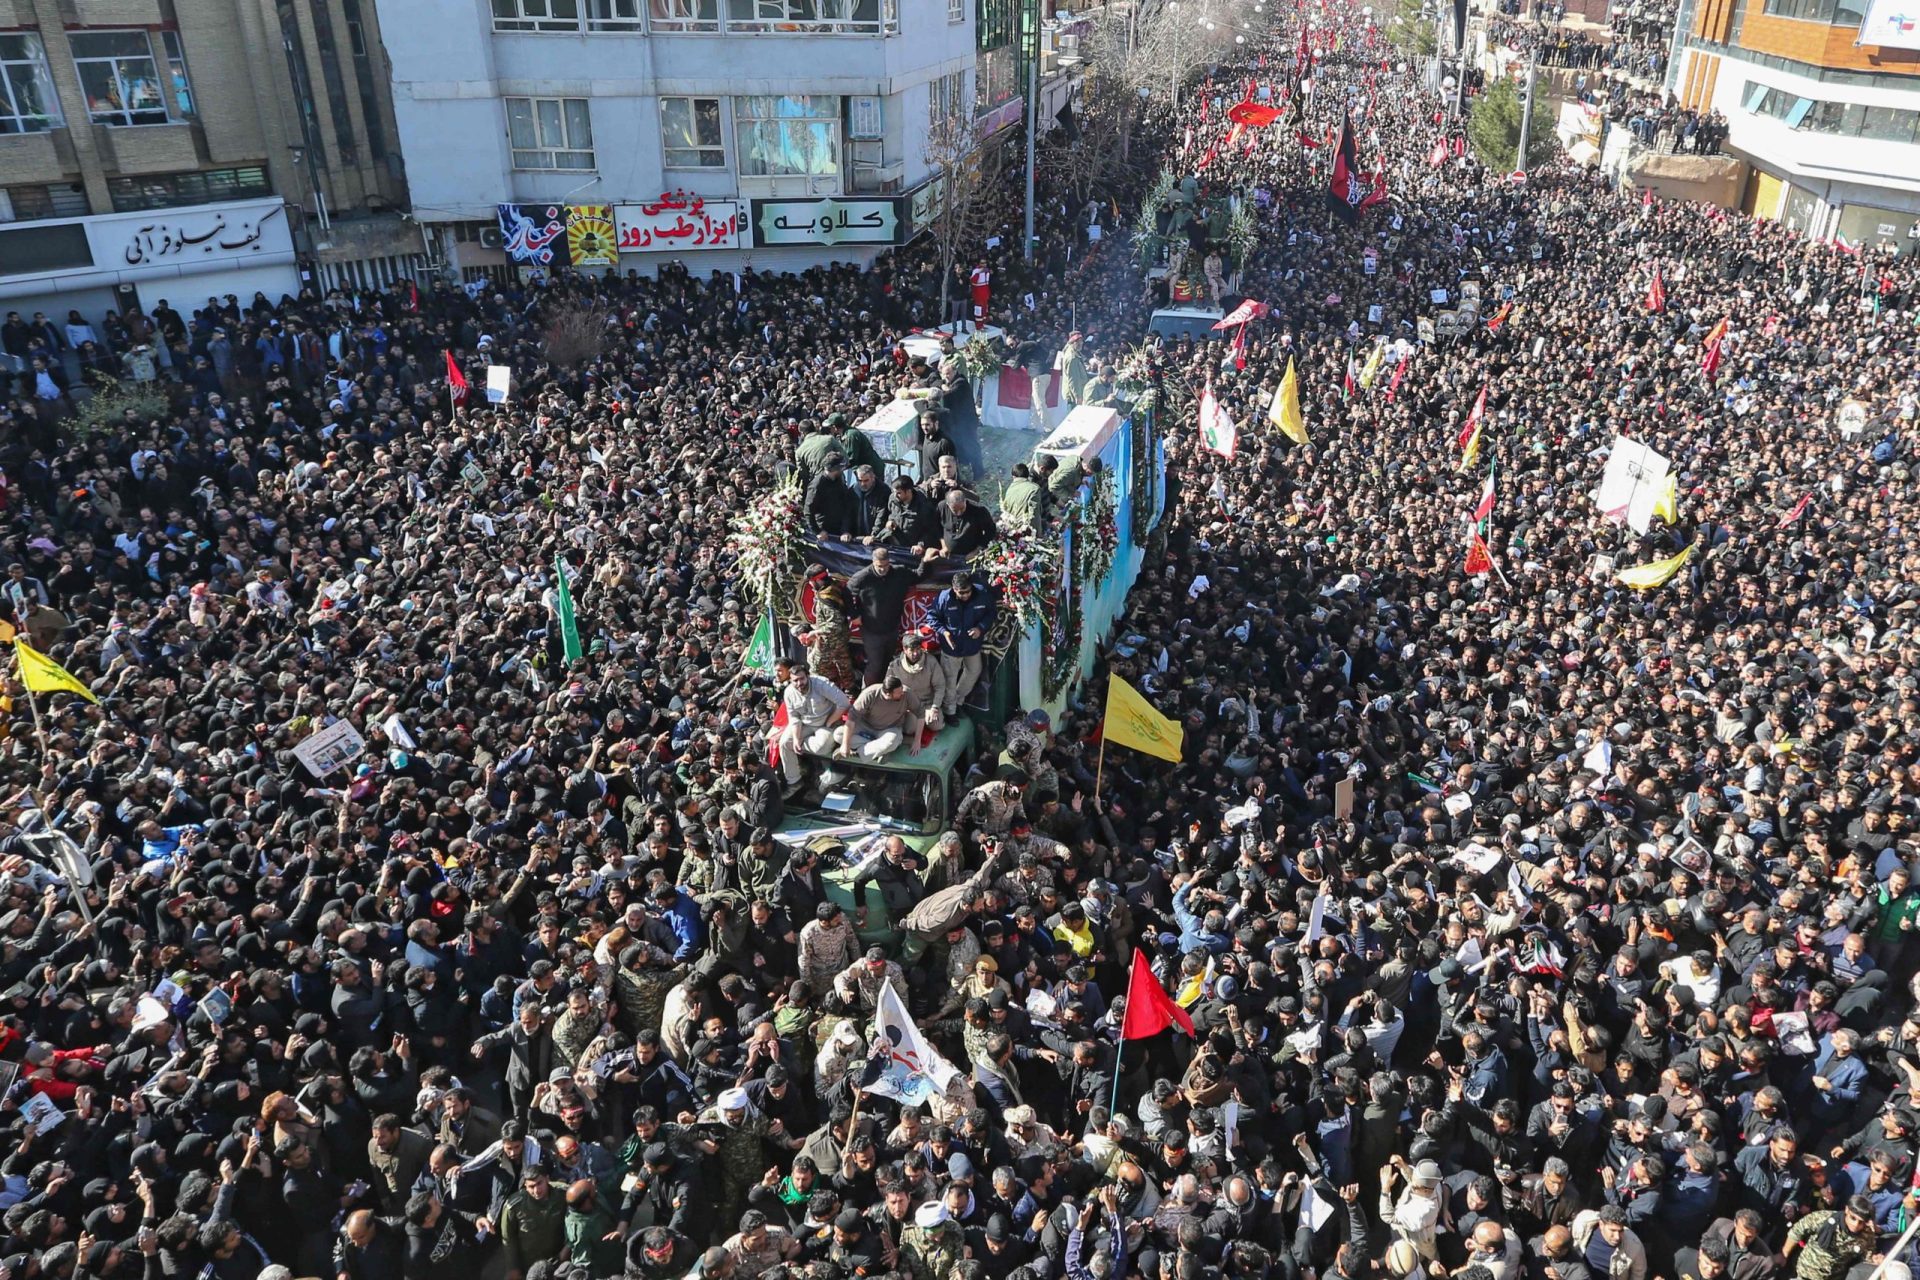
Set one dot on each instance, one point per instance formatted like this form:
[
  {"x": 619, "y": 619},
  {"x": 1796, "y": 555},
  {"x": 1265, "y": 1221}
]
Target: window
[
  {"x": 614, "y": 15},
  {"x": 50, "y": 200},
  {"x": 120, "y": 72},
  {"x": 173, "y": 190},
  {"x": 27, "y": 101},
  {"x": 536, "y": 15},
  {"x": 793, "y": 134},
  {"x": 683, "y": 15},
  {"x": 956, "y": 10},
  {"x": 946, "y": 97},
  {"x": 690, "y": 130},
  {"x": 815, "y": 17},
  {"x": 550, "y": 133},
  {"x": 1845, "y": 119}
]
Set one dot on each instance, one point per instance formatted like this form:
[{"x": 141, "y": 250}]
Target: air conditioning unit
[
  {"x": 1068, "y": 44},
  {"x": 490, "y": 238},
  {"x": 863, "y": 118}
]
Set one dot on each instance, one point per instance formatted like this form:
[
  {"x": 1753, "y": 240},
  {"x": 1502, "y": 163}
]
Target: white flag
[
  {"x": 499, "y": 380},
  {"x": 904, "y": 1066}
]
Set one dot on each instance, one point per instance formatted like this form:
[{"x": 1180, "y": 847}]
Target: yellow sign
[{"x": 590, "y": 235}]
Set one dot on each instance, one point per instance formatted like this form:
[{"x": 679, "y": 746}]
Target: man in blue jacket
[{"x": 961, "y": 618}]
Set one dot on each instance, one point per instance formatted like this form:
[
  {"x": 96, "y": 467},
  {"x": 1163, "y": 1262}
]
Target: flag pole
[
  {"x": 1100, "y": 769},
  {"x": 1113, "y": 1102}
]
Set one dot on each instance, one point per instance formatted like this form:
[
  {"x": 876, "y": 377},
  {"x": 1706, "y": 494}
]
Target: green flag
[
  {"x": 569, "y": 628},
  {"x": 760, "y": 649}
]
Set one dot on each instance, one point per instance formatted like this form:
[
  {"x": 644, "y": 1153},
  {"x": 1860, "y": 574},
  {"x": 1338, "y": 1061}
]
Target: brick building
[{"x": 186, "y": 148}]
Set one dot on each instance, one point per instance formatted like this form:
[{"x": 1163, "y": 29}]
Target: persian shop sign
[{"x": 678, "y": 222}]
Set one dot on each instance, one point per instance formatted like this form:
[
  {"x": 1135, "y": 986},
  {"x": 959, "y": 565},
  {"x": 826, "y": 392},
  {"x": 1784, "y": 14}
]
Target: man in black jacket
[{"x": 880, "y": 591}]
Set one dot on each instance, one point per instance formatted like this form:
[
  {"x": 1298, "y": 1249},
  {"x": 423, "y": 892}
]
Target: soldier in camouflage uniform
[
  {"x": 739, "y": 1128},
  {"x": 933, "y": 1244},
  {"x": 989, "y": 808},
  {"x": 640, "y": 985},
  {"x": 858, "y": 986},
  {"x": 576, "y": 1028},
  {"x": 1027, "y": 740},
  {"x": 757, "y": 1247}
]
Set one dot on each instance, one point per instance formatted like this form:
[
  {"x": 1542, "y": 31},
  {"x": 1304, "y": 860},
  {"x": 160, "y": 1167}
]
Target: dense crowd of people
[{"x": 1529, "y": 925}]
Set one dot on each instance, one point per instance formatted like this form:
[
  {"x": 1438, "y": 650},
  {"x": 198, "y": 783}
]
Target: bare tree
[
  {"x": 1108, "y": 111},
  {"x": 576, "y": 334},
  {"x": 1170, "y": 44},
  {"x": 965, "y": 177}
]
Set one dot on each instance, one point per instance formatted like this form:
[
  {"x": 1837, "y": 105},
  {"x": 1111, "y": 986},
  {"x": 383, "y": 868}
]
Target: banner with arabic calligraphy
[
  {"x": 590, "y": 235},
  {"x": 678, "y": 222},
  {"x": 534, "y": 233}
]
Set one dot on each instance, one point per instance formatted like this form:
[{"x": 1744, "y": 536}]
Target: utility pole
[
  {"x": 1032, "y": 8},
  {"x": 1526, "y": 112}
]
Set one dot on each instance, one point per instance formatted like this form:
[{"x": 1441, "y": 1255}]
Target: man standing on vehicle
[
  {"x": 880, "y": 593},
  {"x": 961, "y": 618}
]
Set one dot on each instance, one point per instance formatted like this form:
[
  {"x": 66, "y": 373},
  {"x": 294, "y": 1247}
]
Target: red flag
[
  {"x": 1484, "y": 507},
  {"x": 1798, "y": 509},
  {"x": 773, "y": 739},
  {"x": 1399, "y": 372},
  {"x": 1656, "y": 293},
  {"x": 1479, "y": 561},
  {"x": 1710, "y": 360},
  {"x": 1240, "y": 348},
  {"x": 1499, "y": 317},
  {"x": 1150, "y": 1010},
  {"x": 456, "y": 381},
  {"x": 1472, "y": 423},
  {"x": 1646, "y": 197},
  {"x": 413, "y": 296}
]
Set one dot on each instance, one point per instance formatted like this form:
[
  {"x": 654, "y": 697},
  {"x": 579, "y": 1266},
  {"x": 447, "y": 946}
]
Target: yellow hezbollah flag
[
  {"x": 1667, "y": 504},
  {"x": 1196, "y": 987},
  {"x": 42, "y": 674},
  {"x": 1132, "y": 722},
  {"x": 1472, "y": 453},
  {"x": 1646, "y": 576},
  {"x": 1285, "y": 410},
  {"x": 1372, "y": 371}
]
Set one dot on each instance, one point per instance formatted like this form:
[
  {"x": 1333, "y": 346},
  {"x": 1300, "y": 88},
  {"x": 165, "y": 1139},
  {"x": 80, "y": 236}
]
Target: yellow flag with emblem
[
  {"x": 1645, "y": 577},
  {"x": 42, "y": 674},
  {"x": 1284, "y": 412},
  {"x": 1132, "y": 722}
]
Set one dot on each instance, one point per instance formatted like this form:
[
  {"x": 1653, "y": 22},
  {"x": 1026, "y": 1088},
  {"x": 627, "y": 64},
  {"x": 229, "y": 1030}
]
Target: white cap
[
  {"x": 930, "y": 1215},
  {"x": 733, "y": 1100}
]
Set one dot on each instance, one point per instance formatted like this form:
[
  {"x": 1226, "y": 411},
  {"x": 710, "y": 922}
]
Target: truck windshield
[{"x": 909, "y": 797}]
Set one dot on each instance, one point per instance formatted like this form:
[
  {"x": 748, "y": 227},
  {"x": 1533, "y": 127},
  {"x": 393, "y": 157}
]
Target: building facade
[
  {"x": 1822, "y": 98},
  {"x": 183, "y": 149},
  {"x": 617, "y": 134}
]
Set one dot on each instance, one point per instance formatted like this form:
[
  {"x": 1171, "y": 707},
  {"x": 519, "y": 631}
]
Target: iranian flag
[
  {"x": 1484, "y": 508},
  {"x": 1217, "y": 431}
]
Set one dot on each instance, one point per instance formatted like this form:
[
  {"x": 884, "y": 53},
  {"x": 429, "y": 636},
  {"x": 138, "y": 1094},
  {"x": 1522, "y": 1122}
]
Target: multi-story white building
[
  {"x": 707, "y": 130},
  {"x": 1823, "y": 98}
]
